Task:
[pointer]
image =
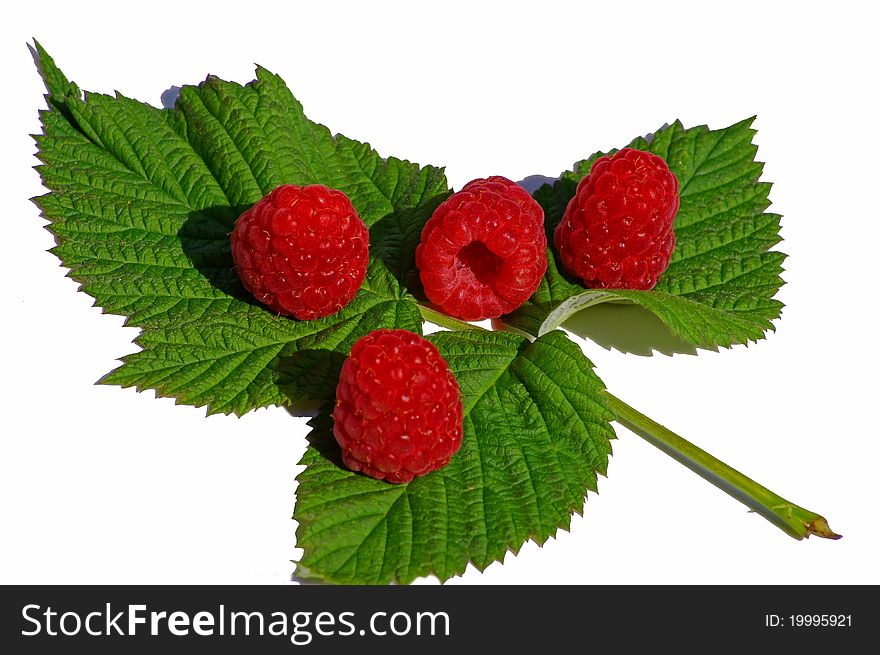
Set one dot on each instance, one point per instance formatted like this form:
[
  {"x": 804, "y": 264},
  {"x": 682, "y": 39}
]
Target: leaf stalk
[
  {"x": 792, "y": 519},
  {"x": 438, "y": 318}
]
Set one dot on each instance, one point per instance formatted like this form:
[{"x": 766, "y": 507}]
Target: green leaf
[
  {"x": 719, "y": 287},
  {"x": 536, "y": 434},
  {"x": 142, "y": 201}
]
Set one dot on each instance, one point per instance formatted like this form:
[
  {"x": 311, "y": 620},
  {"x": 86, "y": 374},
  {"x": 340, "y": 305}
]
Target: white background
[{"x": 104, "y": 485}]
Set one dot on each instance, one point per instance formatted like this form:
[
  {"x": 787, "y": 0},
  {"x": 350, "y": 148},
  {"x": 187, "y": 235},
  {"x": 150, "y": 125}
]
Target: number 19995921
[{"x": 809, "y": 620}]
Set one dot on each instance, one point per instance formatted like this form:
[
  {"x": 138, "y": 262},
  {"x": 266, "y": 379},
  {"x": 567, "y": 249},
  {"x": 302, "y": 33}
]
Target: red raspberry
[
  {"x": 398, "y": 407},
  {"x": 302, "y": 250},
  {"x": 617, "y": 230},
  {"x": 483, "y": 251}
]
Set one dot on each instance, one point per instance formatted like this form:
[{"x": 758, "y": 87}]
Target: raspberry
[
  {"x": 483, "y": 251},
  {"x": 302, "y": 250},
  {"x": 617, "y": 230},
  {"x": 398, "y": 407}
]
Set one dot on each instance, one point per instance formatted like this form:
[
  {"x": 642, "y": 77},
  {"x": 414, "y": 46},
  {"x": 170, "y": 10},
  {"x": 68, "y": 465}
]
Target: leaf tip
[{"x": 38, "y": 52}]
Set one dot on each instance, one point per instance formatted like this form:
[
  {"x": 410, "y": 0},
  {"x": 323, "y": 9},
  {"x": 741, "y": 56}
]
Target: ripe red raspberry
[
  {"x": 302, "y": 250},
  {"x": 483, "y": 251},
  {"x": 617, "y": 230},
  {"x": 398, "y": 407}
]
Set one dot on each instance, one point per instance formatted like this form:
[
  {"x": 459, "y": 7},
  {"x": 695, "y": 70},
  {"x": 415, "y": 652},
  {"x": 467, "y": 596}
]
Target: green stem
[
  {"x": 445, "y": 321},
  {"x": 792, "y": 519}
]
